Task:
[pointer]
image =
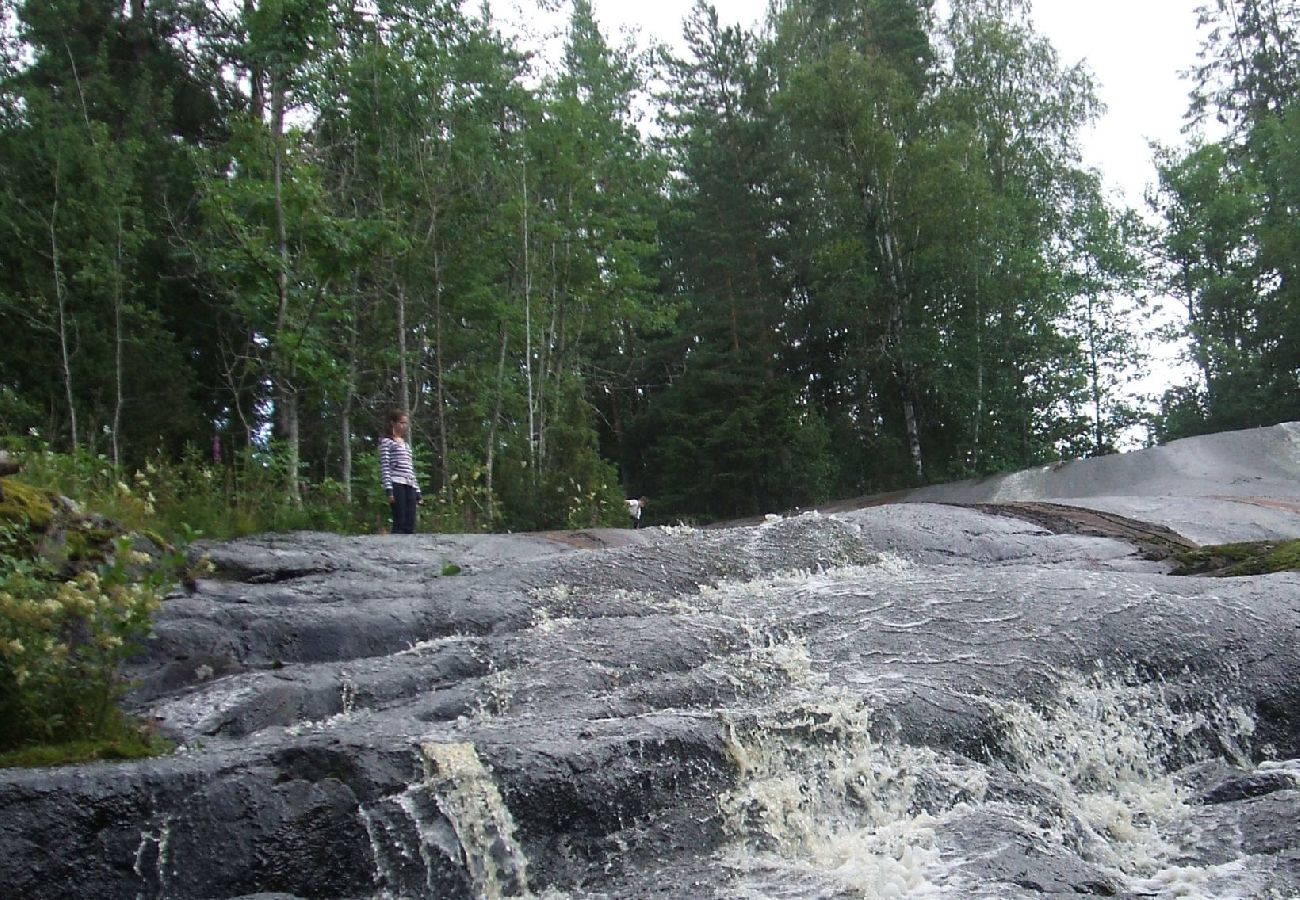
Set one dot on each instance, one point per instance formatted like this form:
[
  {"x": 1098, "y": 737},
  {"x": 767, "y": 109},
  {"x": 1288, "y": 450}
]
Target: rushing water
[
  {"x": 916, "y": 700},
  {"x": 911, "y": 701},
  {"x": 453, "y": 815},
  {"x": 1101, "y": 780}
]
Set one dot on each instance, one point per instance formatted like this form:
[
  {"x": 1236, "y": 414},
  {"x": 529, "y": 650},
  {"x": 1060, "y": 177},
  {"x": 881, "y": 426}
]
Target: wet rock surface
[{"x": 910, "y": 698}]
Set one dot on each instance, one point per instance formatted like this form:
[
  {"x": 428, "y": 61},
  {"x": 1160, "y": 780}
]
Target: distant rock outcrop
[
  {"x": 9, "y": 465},
  {"x": 910, "y": 697}
]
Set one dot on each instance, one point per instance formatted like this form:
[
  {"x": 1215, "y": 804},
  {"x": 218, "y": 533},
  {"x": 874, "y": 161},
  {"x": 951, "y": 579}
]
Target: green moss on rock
[
  {"x": 127, "y": 746},
  {"x": 39, "y": 525},
  {"x": 158, "y": 542},
  {"x": 1247, "y": 558},
  {"x": 89, "y": 544},
  {"x": 24, "y": 505}
]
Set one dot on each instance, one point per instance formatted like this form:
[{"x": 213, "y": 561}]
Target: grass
[
  {"x": 126, "y": 747},
  {"x": 1246, "y": 558}
]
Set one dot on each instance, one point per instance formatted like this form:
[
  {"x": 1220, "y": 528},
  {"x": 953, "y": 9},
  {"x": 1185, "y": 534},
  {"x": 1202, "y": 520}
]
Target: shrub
[{"x": 76, "y": 599}]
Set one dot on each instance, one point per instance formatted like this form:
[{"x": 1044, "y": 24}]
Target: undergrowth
[
  {"x": 77, "y": 597},
  {"x": 88, "y": 551}
]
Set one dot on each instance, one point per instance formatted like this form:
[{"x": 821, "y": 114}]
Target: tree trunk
[
  {"x": 528, "y": 340},
  {"x": 345, "y": 416},
  {"x": 977, "y": 451},
  {"x": 118, "y": 341},
  {"x": 735, "y": 316},
  {"x": 61, "y": 302},
  {"x": 902, "y": 369},
  {"x": 139, "y": 33},
  {"x": 909, "y": 419},
  {"x": 1094, "y": 376},
  {"x": 438, "y": 374},
  {"x": 403, "y": 376},
  {"x": 281, "y": 365},
  {"x": 490, "y": 456},
  {"x": 550, "y": 378},
  {"x": 345, "y": 452},
  {"x": 1199, "y": 340},
  {"x": 255, "y": 74}
]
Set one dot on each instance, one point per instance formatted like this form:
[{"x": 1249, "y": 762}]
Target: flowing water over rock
[{"x": 916, "y": 699}]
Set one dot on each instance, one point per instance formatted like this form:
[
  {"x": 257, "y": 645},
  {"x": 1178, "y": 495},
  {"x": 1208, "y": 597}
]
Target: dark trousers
[{"x": 403, "y": 509}]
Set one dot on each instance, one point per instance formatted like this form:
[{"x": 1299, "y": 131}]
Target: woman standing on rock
[{"x": 397, "y": 470}]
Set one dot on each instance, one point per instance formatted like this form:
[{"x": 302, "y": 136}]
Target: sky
[{"x": 1134, "y": 48}]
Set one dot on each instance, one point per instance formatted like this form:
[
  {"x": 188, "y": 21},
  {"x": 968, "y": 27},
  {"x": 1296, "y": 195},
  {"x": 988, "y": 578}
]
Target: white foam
[
  {"x": 818, "y": 798},
  {"x": 822, "y": 809}
]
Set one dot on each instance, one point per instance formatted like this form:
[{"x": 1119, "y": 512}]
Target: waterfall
[
  {"x": 823, "y": 809},
  {"x": 448, "y": 834},
  {"x": 151, "y": 862},
  {"x": 914, "y": 700},
  {"x": 821, "y": 805}
]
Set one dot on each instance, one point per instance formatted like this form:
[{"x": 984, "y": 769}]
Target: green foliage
[
  {"x": 580, "y": 489},
  {"x": 131, "y": 743},
  {"x": 96, "y": 150},
  {"x": 1230, "y": 243},
  {"x": 182, "y": 500},
  {"x": 722, "y": 446},
  {"x": 863, "y": 233},
  {"x": 67, "y": 622},
  {"x": 1249, "y": 558},
  {"x": 575, "y": 487}
]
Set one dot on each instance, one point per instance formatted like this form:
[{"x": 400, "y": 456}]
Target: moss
[
  {"x": 157, "y": 540},
  {"x": 22, "y": 504},
  {"x": 1249, "y": 558},
  {"x": 89, "y": 544},
  {"x": 75, "y": 752}
]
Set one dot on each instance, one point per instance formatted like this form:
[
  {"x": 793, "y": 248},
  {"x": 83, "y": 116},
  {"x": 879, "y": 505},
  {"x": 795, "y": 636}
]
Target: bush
[
  {"x": 190, "y": 497},
  {"x": 60, "y": 647},
  {"x": 68, "y": 618}
]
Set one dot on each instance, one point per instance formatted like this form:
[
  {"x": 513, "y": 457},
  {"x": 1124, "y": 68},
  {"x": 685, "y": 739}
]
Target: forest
[{"x": 852, "y": 250}]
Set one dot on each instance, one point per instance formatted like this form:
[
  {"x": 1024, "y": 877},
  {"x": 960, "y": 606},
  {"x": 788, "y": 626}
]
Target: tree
[
  {"x": 1230, "y": 237},
  {"x": 1249, "y": 65},
  {"x": 591, "y": 252},
  {"x": 1104, "y": 276},
  {"x": 270, "y": 240},
  {"x": 91, "y": 160},
  {"x": 725, "y": 429},
  {"x": 854, "y": 82},
  {"x": 1035, "y": 219},
  {"x": 1208, "y": 208}
]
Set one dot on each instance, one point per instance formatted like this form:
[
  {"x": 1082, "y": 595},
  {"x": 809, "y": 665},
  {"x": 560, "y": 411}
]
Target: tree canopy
[{"x": 853, "y": 250}]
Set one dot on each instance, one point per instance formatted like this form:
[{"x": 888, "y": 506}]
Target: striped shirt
[{"x": 395, "y": 464}]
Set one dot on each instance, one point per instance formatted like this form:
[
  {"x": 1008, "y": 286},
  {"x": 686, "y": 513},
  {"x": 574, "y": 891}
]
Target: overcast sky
[{"x": 1135, "y": 49}]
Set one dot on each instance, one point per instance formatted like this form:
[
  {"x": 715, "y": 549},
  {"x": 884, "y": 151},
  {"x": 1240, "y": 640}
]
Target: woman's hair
[{"x": 394, "y": 416}]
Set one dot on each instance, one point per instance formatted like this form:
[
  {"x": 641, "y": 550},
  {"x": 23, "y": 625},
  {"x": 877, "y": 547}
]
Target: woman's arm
[{"x": 386, "y": 448}]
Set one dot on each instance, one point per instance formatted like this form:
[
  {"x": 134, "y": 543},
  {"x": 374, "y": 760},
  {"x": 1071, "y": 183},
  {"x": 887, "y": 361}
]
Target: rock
[
  {"x": 9, "y": 465},
  {"x": 918, "y": 697}
]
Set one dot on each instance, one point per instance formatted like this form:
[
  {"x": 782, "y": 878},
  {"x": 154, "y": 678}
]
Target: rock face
[
  {"x": 917, "y": 697},
  {"x": 1235, "y": 486},
  {"x": 8, "y": 465}
]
